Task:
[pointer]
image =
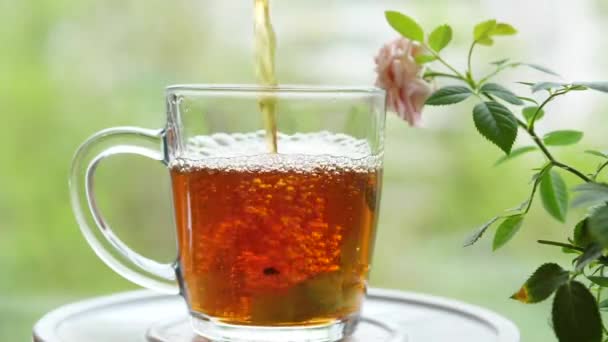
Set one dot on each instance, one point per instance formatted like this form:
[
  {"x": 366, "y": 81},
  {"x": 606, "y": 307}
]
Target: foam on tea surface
[{"x": 301, "y": 151}]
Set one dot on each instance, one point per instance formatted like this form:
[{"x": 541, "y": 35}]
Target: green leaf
[
  {"x": 563, "y": 138},
  {"x": 546, "y": 86},
  {"x": 440, "y": 37},
  {"x": 597, "y": 153},
  {"x": 582, "y": 235},
  {"x": 554, "y": 195},
  {"x": 542, "y": 69},
  {"x": 578, "y": 87},
  {"x": 528, "y": 113},
  {"x": 423, "y": 59},
  {"x": 476, "y": 235},
  {"x": 405, "y": 25},
  {"x": 496, "y": 122},
  {"x": 501, "y": 92},
  {"x": 590, "y": 194},
  {"x": 503, "y": 29},
  {"x": 569, "y": 251},
  {"x": 449, "y": 95},
  {"x": 483, "y": 29},
  {"x": 599, "y": 86},
  {"x": 507, "y": 229},
  {"x": 598, "y": 225},
  {"x": 500, "y": 62},
  {"x": 541, "y": 285},
  {"x": 603, "y": 305},
  {"x": 601, "y": 281},
  {"x": 528, "y": 99},
  {"x": 576, "y": 317},
  {"x": 591, "y": 253},
  {"x": 515, "y": 153},
  {"x": 486, "y": 41},
  {"x": 529, "y": 84}
]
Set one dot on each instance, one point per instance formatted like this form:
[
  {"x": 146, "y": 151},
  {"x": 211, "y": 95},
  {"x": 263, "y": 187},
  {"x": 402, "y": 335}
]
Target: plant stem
[
  {"x": 497, "y": 71},
  {"x": 599, "y": 170},
  {"x": 547, "y": 100},
  {"x": 539, "y": 142},
  {"x": 535, "y": 187},
  {"x": 573, "y": 171},
  {"x": 440, "y": 74},
  {"x": 470, "y": 57},
  {"x": 560, "y": 244},
  {"x": 447, "y": 65}
]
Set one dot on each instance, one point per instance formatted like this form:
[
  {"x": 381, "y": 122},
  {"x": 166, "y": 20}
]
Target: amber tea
[{"x": 275, "y": 239}]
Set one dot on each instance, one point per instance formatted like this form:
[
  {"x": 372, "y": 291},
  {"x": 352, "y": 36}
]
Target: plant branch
[
  {"x": 535, "y": 187},
  {"x": 440, "y": 74},
  {"x": 497, "y": 71},
  {"x": 599, "y": 170},
  {"x": 542, "y": 106},
  {"x": 470, "y": 58},
  {"x": 540, "y": 143},
  {"x": 446, "y": 64},
  {"x": 560, "y": 244},
  {"x": 572, "y": 170}
]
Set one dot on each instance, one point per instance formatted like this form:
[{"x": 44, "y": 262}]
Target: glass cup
[{"x": 271, "y": 246}]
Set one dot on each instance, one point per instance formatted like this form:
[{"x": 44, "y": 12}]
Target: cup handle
[{"x": 129, "y": 264}]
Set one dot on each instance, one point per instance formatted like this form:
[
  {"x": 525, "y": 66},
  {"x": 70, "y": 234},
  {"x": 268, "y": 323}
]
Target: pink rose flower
[{"x": 401, "y": 77}]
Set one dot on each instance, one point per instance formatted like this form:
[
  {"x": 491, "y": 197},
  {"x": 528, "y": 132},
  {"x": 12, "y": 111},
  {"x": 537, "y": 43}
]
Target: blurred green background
[{"x": 70, "y": 68}]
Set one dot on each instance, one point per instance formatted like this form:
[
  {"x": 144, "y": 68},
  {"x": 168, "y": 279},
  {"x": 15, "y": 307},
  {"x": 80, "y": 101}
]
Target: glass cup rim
[{"x": 281, "y": 89}]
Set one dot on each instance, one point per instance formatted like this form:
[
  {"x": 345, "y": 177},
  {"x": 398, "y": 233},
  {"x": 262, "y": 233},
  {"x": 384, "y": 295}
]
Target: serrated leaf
[
  {"x": 599, "y": 86},
  {"x": 501, "y": 92},
  {"x": 600, "y": 281},
  {"x": 449, "y": 95},
  {"x": 575, "y": 314},
  {"x": 598, "y": 225},
  {"x": 503, "y": 29},
  {"x": 500, "y": 62},
  {"x": 496, "y": 122},
  {"x": 563, "y": 138},
  {"x": 541, "y": 285},
  {"x": 597, "y": 153},
  {"x": 591, "y": 253},
  {"x": 440, "y": 37},
  {"x": 483, "y": 29},
  {"x": 582, "y": 235},
  {"x": 546, "y": 86},
  {"x": 507, "y": 230},
  {"x": 515, "y": 153},
  {"x": 542, "y": 69},
  {"x": 423, "y": 59},
  {"x": 478, "y": 233},
  {"x": 528, "y": 113},
  {"x": 554, "y": 195},
  {"x": 405, "y": 25},
  {"x": 590, "y": 194}
]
